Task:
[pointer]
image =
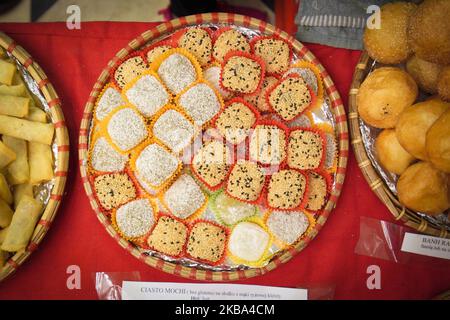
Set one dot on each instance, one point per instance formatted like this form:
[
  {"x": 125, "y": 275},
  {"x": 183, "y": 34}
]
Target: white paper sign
[
  {"x": 132, "y": 290},
  {"x": 426, "y": 245}
]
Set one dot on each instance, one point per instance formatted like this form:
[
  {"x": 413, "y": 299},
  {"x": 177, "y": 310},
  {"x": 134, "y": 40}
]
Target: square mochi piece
[
  {"x": 126, "y": 129},
  {"x": 241, "y": 74},
  {"x": 147, "y": 94},
  {"x": 114, "y": 189},
  {"x": 109, "y": 100},
  {"x": 177, "y": 72},
  {"x": 156, "y": 165},
  {"x": 200, "y": 102},
  {"x": 105, "y": 158},
  {"x": 268, "y": 144},
  {"x": 246, "y": 181},
  {"x": 207, "y": 242},
  {"x": 184, "y": 197},
  {"x": 305, "y": 150},
  {"x": 169, "y": 236},
  {"x": 135, "y": 218},
  {"x": 248, "y": 241},
  {"x": 287, "y": 226},
  {"x": 286, "y": 189},
  {"x": 174, "y": 130}
]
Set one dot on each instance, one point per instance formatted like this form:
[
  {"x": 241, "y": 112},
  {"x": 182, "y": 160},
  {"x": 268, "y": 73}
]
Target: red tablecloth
[{"x": 73, "y": 61}]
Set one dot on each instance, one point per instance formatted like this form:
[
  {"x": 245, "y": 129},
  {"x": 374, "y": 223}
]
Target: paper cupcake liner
[
  {"x": 94, "y": 111},
  {"x": 180, "y": 110},
  {"x": 135, "y": 154},
  {"x": 246, "y": 55},
  {"x": 227, "y": 236},
  {"x": 155, "y": 65},
  {"x": 264, "y": 257},
  {"x": 228, "y": 104},
  {"x": 258, "y": 200},
  {"x": 218, "y": 95},
  {"x": 94, "y": 175},
  {"x": 103, "y": 130},
  {"x": 218, "y": 214},
  {"x": 145, "y": 50},
  {"x": 324, "y": 145},
  {"x": 327, "y": 129},
  {"x": 137, "y": 53},
  {"x": 138, "y": 239},
  {"x": 176, "y": 37},
  {"x": 200, "y": 178},
  {"x": 279, "y": 125},
  {"x": 133, "y": 82},
  {"x": 261, "y": 37},
  {"x": 195, "y": 215},
  {"x": 183, "y": 250},
  {"x": 219, "y": 32},
  {"x": 272, "y": 109},
  {"x": 302, "y": 203},
  {"x": 303, "y": 64}
]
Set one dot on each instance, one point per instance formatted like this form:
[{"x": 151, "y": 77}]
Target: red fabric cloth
[{"x": 73, "y": 60}]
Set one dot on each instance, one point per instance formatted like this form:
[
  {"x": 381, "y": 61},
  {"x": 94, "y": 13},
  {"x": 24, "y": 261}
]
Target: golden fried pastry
[
  {"x": 429, "y": 31},
  {"x": 388, "y": 44},
  {"x": 438, "y": 142},
  {"x": 384, "y": 94},
  {"x": 425, "y": 73},
  {"x": 444, "y": 84},
  {"x": 424, "y": 188},
  {"x": 414, "y": 122},
  {"x": 390, "y": 153}
]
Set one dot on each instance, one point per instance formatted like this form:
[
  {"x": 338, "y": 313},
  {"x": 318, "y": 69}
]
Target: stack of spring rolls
[{"x": 26, "y": 159}]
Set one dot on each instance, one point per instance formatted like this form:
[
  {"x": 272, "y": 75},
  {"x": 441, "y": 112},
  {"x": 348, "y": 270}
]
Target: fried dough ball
[
  {"x": 390, "y": 153},
  {"x": 425, "y": 73},
  {"x": 384, "y": 94},
  {"x": 429, "y": 31},
  {"x": 438, "y": 142},
  {"x": 444, "y": 84},
  {"x": 389, "y": 44},
  {"x": 414, "y": 122},
  {"x": 424, "y": 188}
]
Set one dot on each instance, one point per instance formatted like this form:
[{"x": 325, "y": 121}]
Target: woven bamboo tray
[
  {"x": 62, "y": 160},
  {"x": 376, "y": 183},
  {"x": 167, "y": 28}
]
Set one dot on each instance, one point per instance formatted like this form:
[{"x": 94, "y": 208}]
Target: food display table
[{"x": 72, "y": 59}]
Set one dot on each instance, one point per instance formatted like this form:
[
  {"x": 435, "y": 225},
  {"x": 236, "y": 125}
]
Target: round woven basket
[
  {"x": 62, "y": 160},
  {"x": 225, "y": 19},
  {"x": 376, "y": 183}
]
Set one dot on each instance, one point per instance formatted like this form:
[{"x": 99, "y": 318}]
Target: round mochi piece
[
  {"x": 248, "y": 241},
  {"x": 259, "y": 99},
  {"x": 229, "y": 40},
  {"x": 168, "y": 236},
  {"x": 129, "y": 69},
  {"x": 200, "y": 102},
  {"x": 177, "y": 72},
  {"x": 275, "y": 53},
  {"x": 207, "y": 242},
  {"x": 287, "y": 226},
  {"x": 109, "y": 100},
  {"x": 184, "y": 197},
  {"x": 235, "y": 122},
  {"x": 174, "y": 130},
  {"x": 156, "y": 165},
  {"x": 305, "y": 150},
  {"x": 126, "y": 129},
  {"x": 212, "y": 76},
  {"x": 317, "y": 191},
  {"x": 114, "y": 189},
  {"x": 286, "y": 189},
  {"x": 211, "y": 163},
  {"x": 199, "y": 43},
  {"x": 105, "y": 158},
  {"x": 147, "y": 94},
  {"x": 241, "y": 73},
  {"x": 155, "y": 52},
  {"x": 290, "y": 97},
  {"x": 135, "y": 218},
  {"x": 268, "y": 144},
  {"x": 246, "y": 181}
]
